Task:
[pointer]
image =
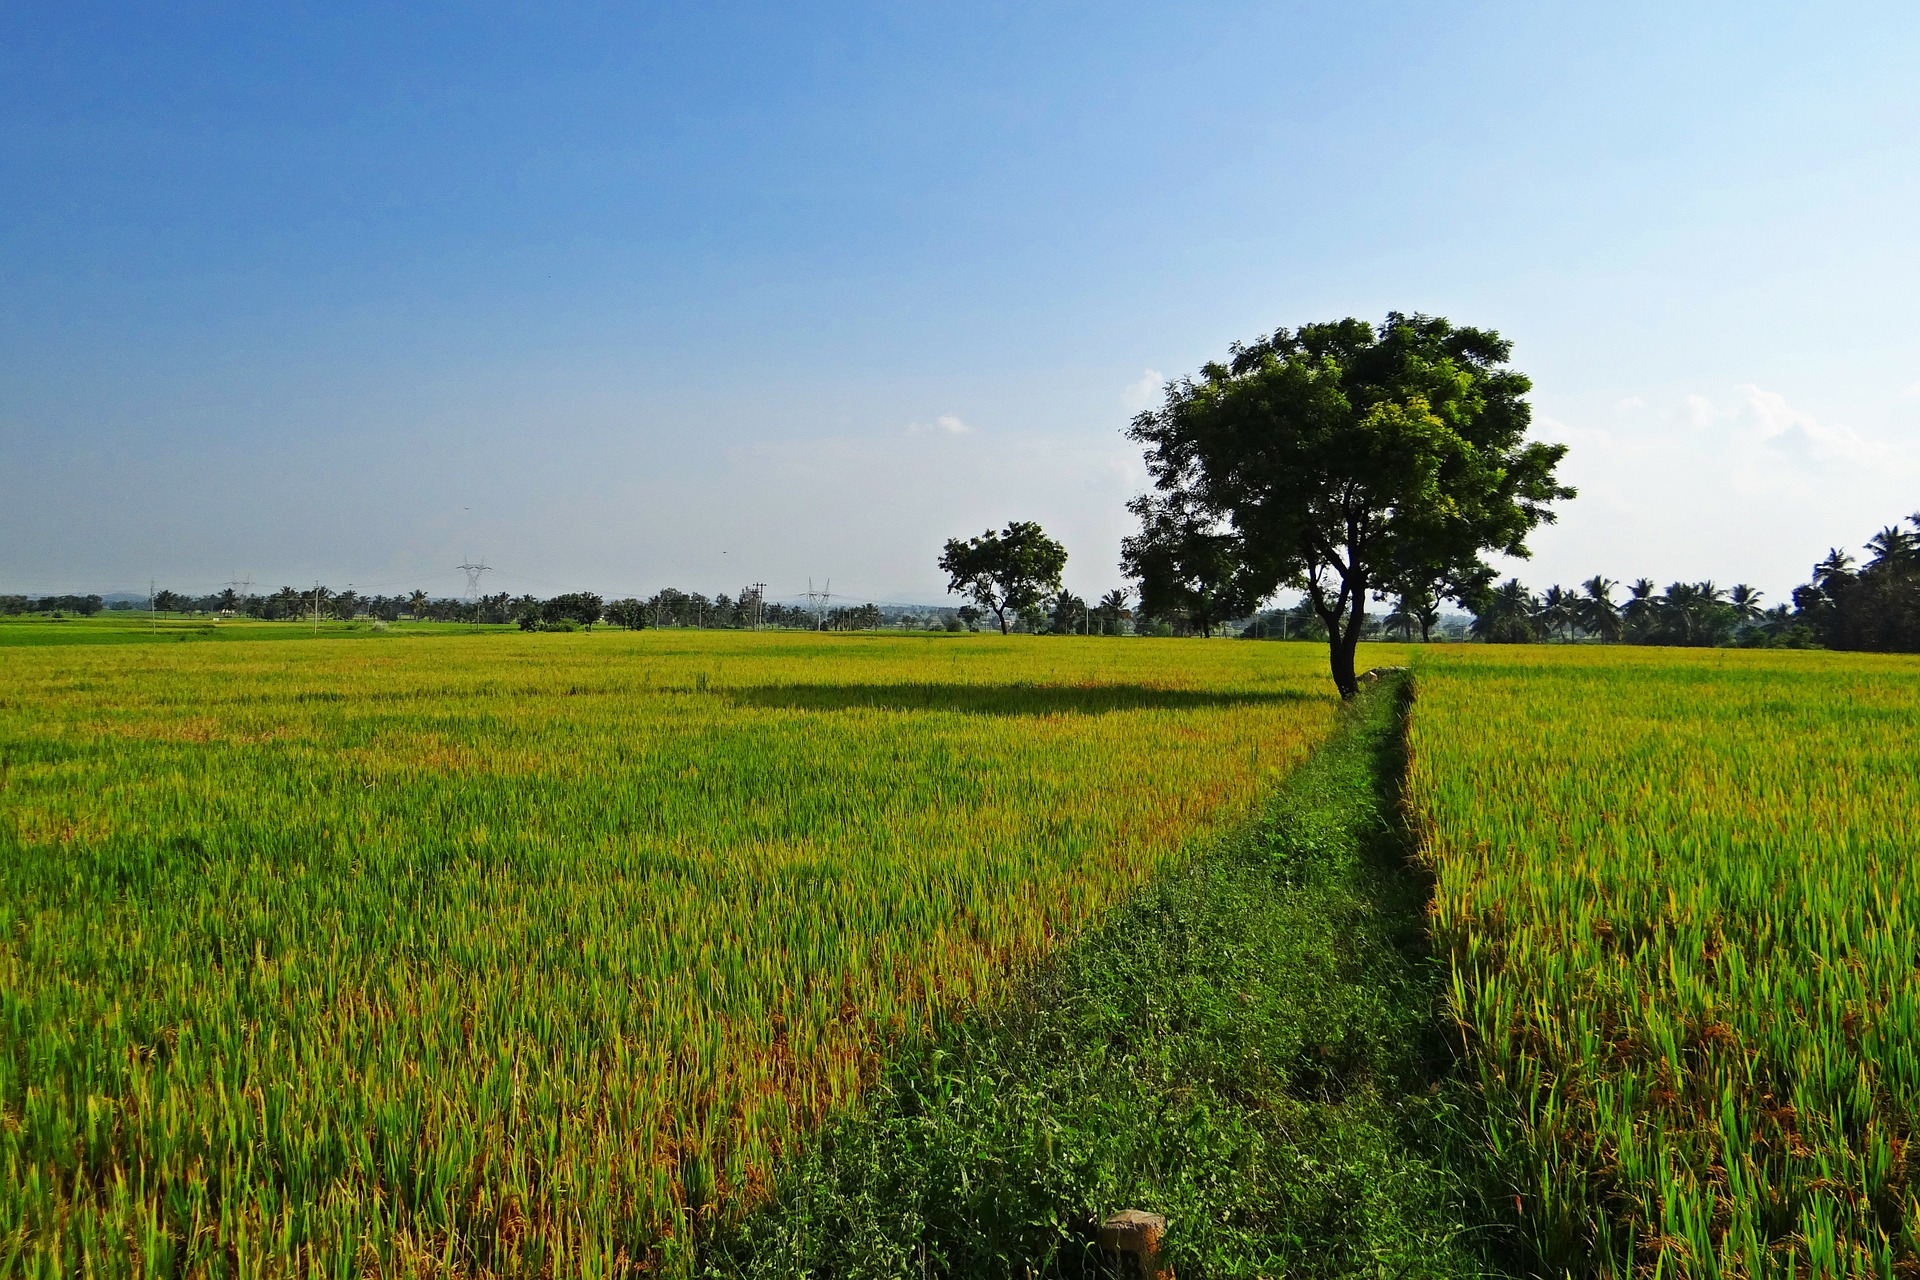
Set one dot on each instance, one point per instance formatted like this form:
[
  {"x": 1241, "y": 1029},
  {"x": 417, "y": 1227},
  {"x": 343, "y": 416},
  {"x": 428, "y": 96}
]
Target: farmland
[
  {"x": 1679, "y": 894},
  {"x": 523, "y": 953},
  {"x": 503, "y": 953}
]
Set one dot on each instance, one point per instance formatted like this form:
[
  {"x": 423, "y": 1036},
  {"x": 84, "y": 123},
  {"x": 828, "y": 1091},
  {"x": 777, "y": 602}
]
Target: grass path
[{"x": 1248, "y": 1046}]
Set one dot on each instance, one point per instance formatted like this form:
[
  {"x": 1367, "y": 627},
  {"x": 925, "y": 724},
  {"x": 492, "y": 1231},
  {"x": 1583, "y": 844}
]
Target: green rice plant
[
  {"x": 1679, "y": 893},
  {"x": 515, "y": 954}
]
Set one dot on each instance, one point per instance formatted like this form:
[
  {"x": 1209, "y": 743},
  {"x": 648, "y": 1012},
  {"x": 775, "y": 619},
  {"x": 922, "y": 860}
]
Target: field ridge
[{"x": 1248, "y": 1044}]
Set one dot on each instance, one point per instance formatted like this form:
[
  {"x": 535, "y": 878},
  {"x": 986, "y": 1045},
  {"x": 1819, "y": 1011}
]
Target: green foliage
[
  {"x": 1349, "y": 459},
  {"x": 1876, "y": 607},
  {"x": 1506, "y": 614},
  {"x": 1191, "y": 574},
  {"x": 1248, "y": 1046},
  {"x": 1012, "y": 571}
]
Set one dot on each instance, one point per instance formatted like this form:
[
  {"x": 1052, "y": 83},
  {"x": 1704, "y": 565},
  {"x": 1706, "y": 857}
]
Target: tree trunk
[
  {"x": 1343, "y": 638},
  {"x": 1340, "y": 649},
  {"x": 1344, "y": 618}
]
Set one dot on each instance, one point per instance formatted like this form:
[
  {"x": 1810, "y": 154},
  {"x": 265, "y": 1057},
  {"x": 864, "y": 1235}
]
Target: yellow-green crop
[
  {"x": 512, "y": 954},
  {"x": 1680, "y": 894}
]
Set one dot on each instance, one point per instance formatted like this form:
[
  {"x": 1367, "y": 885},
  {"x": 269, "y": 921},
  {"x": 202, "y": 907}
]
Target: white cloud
[
  {"x": 1701, "y": 411},
  {"x": 946, "y": 422},
  {"x": 1143, "y": 393},
  {"x": 1632, "y": 404},
  {"x": 1785, "y": 427},
  {"x": 1739, "y": 485}
]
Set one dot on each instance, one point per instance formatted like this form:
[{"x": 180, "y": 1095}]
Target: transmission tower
[
  {"x": 473, "y": 571},
  {"x": 818, "y": 601},
  {"x": 759, "y": 590}
]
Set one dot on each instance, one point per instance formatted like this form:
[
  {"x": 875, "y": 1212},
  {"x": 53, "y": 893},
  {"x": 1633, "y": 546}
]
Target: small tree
[
  {"x": 628, "y": 613},
  {"x": 1347, "y": 457},
  {"x": 1186, "y": 568},
  {"x": 1010, "y": 571},
  {"x": 1112, "y": 612},
  {"x": 1069, "y": 614}
]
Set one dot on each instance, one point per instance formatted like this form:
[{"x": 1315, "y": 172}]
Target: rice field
[
  {"x": 1680, "y": 895},
  {"x": 523, "y": 954}
]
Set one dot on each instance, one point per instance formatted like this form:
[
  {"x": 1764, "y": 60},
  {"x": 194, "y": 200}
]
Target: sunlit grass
[
  {"x": 1680, "y": 893},
  {"x": 513, "y": 953}
]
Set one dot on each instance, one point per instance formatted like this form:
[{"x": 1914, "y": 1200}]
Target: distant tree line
[
  {"x": 573, "y": 610},
  {"x": 85, "y": 606},
  {"x": 1690, "y": 614},
  {"x": 1874, "y": 606}
]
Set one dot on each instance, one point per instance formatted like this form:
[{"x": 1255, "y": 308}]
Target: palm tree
[
  {"x": 1838, "y": 564},
  {"x": 1679, "y": 611},
  {"x": 1694, "y": 613},
  {"x": 1557, "y": 610},
  {"x": 1894, "y": 546},
  {"x": 1507, "y": 615},
  {"x": 416, "y": 604},
  {"x": 1400, "y": 619},
  {"x": 1597, "y": 613},
  {"x": 1069, "y": 613},
  {"x": 1746, "y": 602},
  {"x": 1641, "y": 611}
]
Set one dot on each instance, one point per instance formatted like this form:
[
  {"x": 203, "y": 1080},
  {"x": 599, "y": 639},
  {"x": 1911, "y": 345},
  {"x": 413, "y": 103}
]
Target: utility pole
[
  {"x": 153, "y": 623},
  {"x": 316, "y": 607}
]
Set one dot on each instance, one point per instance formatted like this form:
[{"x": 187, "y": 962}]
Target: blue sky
[{"x": 621, "y": 297}]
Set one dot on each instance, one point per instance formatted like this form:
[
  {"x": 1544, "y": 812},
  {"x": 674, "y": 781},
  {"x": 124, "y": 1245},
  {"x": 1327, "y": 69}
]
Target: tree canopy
[
  {"x": 1186, "y": 567},
  {"x": 1010, "y": 571},
  {"x": 1348, "y": 459},
  {"x": 1876, "y": 606}
]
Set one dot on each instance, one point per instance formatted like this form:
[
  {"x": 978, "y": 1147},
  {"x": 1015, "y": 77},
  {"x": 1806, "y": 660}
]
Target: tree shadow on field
[{"x": 1006, "y": 699}]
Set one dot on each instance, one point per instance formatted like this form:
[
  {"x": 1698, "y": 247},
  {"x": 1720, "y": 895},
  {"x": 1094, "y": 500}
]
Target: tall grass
[
  {"x": 1680, "y": 894},
  {"x": 523, "y": 954}
]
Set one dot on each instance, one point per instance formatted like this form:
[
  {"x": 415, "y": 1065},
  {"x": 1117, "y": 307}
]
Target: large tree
[
  {"x": 1348, "y": 457},
  {"x": 1010, "y": 571}
]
